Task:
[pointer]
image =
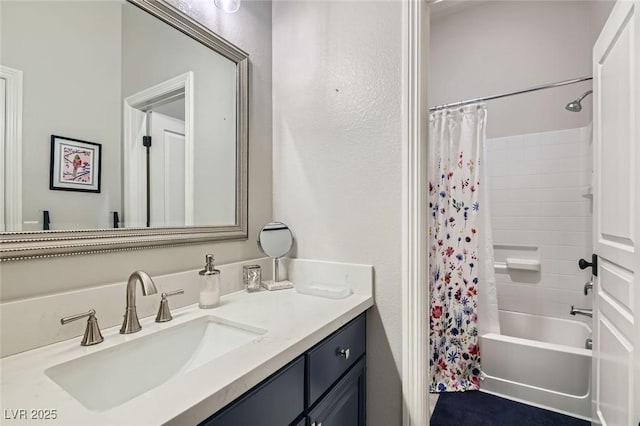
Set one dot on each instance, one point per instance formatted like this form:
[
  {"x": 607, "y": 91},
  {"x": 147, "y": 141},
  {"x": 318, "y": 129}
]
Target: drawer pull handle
[{"x": 344, "y": 353}]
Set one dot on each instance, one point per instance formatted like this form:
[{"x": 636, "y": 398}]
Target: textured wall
[
  {"x": 250, "y": 29},
  {"x": 337, "y": 158}
]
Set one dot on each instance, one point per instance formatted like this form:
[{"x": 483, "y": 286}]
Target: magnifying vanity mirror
[
  {"x": 275, "y": 240},
  {"x": 125, "y": 127}
]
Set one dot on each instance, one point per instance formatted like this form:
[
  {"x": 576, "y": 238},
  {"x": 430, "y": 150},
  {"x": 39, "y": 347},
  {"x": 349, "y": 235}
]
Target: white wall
[
  {"x": 495, "y": 47},
  {"x": 250, "y": 29},
  {"x": 70, "y": 54},
  {"x": 337, "y": 158},
  {"x": 540, "y": 209}
]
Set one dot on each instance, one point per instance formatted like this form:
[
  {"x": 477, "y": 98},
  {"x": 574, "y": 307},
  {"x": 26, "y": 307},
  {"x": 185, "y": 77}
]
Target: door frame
[
  {"x": 135, "y": 198},
  {"x": 11, "y": 165},
  {"x": 415, "y": 294}
]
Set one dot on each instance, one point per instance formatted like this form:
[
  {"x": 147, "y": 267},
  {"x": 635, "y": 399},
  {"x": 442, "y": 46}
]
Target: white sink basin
[{"x": 108, "y": 378}]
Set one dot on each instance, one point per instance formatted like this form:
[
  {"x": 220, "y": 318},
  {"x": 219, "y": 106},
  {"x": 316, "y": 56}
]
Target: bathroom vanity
[{"x": 269, "y": 358}]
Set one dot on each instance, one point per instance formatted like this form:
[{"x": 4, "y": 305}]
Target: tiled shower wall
[{"x": 539, "y": 186}]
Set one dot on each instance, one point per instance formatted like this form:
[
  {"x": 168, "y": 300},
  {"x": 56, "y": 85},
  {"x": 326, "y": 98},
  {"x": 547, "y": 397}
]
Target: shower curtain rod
[{"x": 504, "y": 95}]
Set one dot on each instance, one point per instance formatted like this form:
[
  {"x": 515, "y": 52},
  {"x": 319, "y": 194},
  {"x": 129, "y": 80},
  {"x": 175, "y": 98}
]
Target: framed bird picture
[{"x": 75, "y": 165}]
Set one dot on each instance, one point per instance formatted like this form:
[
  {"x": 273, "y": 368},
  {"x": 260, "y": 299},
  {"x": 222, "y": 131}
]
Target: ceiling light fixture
[{"x": 229, "y": 6}]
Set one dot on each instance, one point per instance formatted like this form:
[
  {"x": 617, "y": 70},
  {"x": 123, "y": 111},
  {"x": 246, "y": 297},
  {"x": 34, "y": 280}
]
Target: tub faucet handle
[{"x": 588, "y": 286}]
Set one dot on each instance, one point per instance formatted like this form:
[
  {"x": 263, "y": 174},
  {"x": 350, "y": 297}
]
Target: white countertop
[{"x": 294, "y": 323}]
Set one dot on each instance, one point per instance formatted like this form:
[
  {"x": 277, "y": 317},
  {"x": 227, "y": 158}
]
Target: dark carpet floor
[{"x": 482, "y": 409}]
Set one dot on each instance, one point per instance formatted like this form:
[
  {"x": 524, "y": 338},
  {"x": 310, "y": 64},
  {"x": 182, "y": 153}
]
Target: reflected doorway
[{"x": 158, "y": 155}]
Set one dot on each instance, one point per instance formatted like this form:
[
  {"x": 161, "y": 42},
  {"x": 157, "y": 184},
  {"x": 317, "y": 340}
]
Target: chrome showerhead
[{"x": 575, "y": 105}]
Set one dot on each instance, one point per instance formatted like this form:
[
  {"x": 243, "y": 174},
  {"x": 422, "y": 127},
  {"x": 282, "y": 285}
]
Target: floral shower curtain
[{"x": 456, "y": 143}]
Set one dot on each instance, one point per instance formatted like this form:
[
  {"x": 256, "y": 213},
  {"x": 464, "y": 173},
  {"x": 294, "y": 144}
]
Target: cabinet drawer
[
  {"x": 276, "y": 402},
  {"x": 326, "y": 364}
]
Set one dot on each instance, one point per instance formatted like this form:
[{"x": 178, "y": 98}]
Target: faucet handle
[
  {"x": 164, "y": 313},
  {"x": 92, "y": 335},
  {"x": 588, "y": 286}
]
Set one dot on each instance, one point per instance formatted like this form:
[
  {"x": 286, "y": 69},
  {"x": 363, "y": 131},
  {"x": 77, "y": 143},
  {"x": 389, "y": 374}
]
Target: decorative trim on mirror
[
  {"x": 23, "y": 245},
  {"x": 33, "y": 245}
]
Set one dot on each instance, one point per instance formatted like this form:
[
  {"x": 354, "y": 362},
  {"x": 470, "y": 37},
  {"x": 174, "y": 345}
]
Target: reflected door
[
  {"x": 167, "y": 200},
  {"x": 3, "y": 102},
  {"x": 616, "y": 321}
]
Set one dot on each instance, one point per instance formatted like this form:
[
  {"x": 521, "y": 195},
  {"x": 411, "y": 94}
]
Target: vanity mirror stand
[{"x": 276, "y": 240}]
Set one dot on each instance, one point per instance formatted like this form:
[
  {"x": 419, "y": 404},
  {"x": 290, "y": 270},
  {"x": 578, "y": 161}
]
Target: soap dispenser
[{"x": 210, "y": 291}]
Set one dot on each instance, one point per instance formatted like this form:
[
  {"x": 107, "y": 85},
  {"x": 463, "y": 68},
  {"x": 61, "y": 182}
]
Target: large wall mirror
[{"x": 124, "y": 125}]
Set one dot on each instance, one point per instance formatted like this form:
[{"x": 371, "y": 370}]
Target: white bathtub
[{"x": 540, "y": 361}]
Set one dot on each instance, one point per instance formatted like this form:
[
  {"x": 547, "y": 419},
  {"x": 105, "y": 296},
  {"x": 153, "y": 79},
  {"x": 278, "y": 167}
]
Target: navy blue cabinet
[
  {"x": 330, "y": 359},
  {"x": 344, "y": 405},
  {"x": 326, "y": 385},
  {"x": 276, "y": 402}
]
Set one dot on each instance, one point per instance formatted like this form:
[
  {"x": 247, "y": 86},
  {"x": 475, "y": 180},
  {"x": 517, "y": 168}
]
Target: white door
[
  {"x": 167, "y": 171},
  {"x": 616, "y": 321}
]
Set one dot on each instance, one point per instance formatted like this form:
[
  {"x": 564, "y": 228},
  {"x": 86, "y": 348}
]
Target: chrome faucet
[
  {"x": 580, "y": 311},
  {"x": 131, "y": 324}
]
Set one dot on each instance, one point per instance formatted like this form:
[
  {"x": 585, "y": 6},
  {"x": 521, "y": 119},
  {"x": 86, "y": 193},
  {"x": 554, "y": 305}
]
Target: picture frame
[{"x": 75, "y": 165}]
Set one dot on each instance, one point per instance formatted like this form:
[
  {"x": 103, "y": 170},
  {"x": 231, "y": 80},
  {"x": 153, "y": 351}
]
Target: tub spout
[{"x": 581, "y": 311}]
